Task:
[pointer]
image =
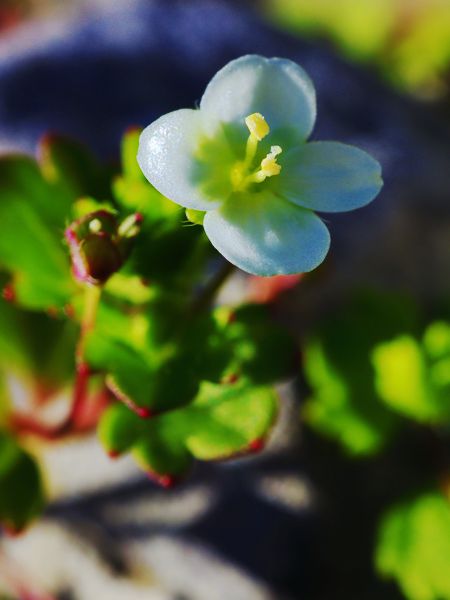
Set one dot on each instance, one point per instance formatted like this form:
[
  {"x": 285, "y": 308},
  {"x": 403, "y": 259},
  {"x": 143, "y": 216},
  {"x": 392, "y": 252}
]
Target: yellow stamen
[
  {"x": 257, "y": 126},
  {"x": 269, "y": 167}
]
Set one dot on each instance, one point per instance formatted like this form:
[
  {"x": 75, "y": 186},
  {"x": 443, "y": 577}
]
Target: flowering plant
[{"x": 242, "y": 160}]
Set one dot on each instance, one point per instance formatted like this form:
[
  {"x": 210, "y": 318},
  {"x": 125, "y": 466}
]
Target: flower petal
[
  {"x": 329, "y": 176},
  {"x": 166, "y": 156},
  {"x": 277, "y": 88},
  {"x": 266, "y": 235}
]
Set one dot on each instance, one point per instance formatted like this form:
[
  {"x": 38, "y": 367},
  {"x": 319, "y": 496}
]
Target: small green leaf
[
  {"x": 413, "y": 378},
  {"x": 21, "y": 492},
  {"x": 414, "y": 547},
  {"x": 222, "y": 421},
  {"x": 195, "y": 216},
  {"x": 129, "y": 375},
  {"x": 119, "y": 428}
]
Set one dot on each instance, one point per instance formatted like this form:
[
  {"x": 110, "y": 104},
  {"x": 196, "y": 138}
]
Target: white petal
[
  {"x": 277, "y": 88},
  {"x": 329, "y": 177},
  {"x": 166, "y": 156},
  {"x": 266, "y": 235}
]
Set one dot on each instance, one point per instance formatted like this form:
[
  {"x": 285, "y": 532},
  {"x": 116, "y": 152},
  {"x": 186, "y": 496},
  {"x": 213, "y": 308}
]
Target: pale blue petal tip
[{"x": 265, "y": 235}]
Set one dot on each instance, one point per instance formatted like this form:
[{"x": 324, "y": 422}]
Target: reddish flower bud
[{"x": 99, "y": 245}]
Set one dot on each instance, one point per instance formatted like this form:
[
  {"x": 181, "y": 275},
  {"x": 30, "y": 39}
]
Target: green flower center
[{"x": 242, "y": 174}]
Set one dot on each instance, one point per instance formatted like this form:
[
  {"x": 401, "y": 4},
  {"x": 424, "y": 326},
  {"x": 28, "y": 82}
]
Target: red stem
[{"x": 24, "y": 424}]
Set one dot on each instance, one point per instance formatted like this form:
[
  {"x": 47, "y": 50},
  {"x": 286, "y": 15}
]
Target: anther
[{"x": 257, "y": 126}]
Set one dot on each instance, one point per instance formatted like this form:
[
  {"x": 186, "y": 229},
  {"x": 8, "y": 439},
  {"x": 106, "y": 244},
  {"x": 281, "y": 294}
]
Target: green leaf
[
  {"x": 36, "y": 346},
  {"x": 168, "y": 250},
  {"x": 413, "y": 377},
  {"x": 414, "y": 547},
  {"x": 72, "y": 169},
  {"x": 21, "y": 492},
  {"x": 157, "y": 360},
  {"x": 119, "y": 428},
  {"x": 263, "y": 352},
  {"x": 21, "y": 177},
  {"x": 31, "y": 249},
  {"x": 344, "y": 403},
  {"x": 221, "y": 421}
]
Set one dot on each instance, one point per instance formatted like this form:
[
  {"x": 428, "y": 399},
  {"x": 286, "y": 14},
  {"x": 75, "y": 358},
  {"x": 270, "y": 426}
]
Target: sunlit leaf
[
  {"x": 221, "y": 421},
  {"x": 414, "y": 547},
  {"x": 413, "y": 377}
]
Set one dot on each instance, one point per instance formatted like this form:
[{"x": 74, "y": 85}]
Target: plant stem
[
  {"x": 212, "y": 287},
  {"x": 23, "y": 424},
  {"x": 92, "y": 296}
]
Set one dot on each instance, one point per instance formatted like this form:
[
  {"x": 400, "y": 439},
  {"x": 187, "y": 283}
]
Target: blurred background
[{"x": 351, "y": 498}]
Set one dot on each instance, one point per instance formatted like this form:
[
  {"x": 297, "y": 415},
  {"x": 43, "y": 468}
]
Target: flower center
[{"x": 241, "y": 174}]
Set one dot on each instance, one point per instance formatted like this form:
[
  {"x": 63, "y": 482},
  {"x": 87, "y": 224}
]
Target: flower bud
[{"x": 99, "y": 245}]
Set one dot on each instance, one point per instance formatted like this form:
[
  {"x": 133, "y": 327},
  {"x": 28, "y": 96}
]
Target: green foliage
[
  {"x": 408, "y": 42},
  {"x": 201, "y": 374},
  {"x": 414, "y": 547},
  {"x": 221, "y": 421},
  {"x": 73, "y": 170},
  {"x": 159, "y": 363},
  {"x": 413, "y": 376},
  {"x": 344, "y": 403},
  {"x": 21, "y": 492},
  {"x": 36, "y": 346}
]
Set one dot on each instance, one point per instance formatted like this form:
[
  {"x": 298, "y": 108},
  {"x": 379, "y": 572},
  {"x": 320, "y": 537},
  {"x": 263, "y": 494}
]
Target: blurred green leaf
[
  {"x": 408, "y": 41},
  {"x": 21, "y": 177},
  {"x": 413, "y": 377},
  {"x": 72, "y": 169},
  {"x": 263, "y": 352},
  {"x": 21, "y": 492},
  {"x": 36, "y": 346},
  {"x": 414, "y": 547},
  {"x": 32, "y": 218},
  {"x": 337, "y": 360},
  {"x": 221, "y": 421}
]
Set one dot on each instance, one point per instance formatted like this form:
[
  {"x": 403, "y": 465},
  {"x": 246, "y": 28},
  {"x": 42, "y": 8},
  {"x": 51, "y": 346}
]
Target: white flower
[{"x": 242, "y": 157}]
